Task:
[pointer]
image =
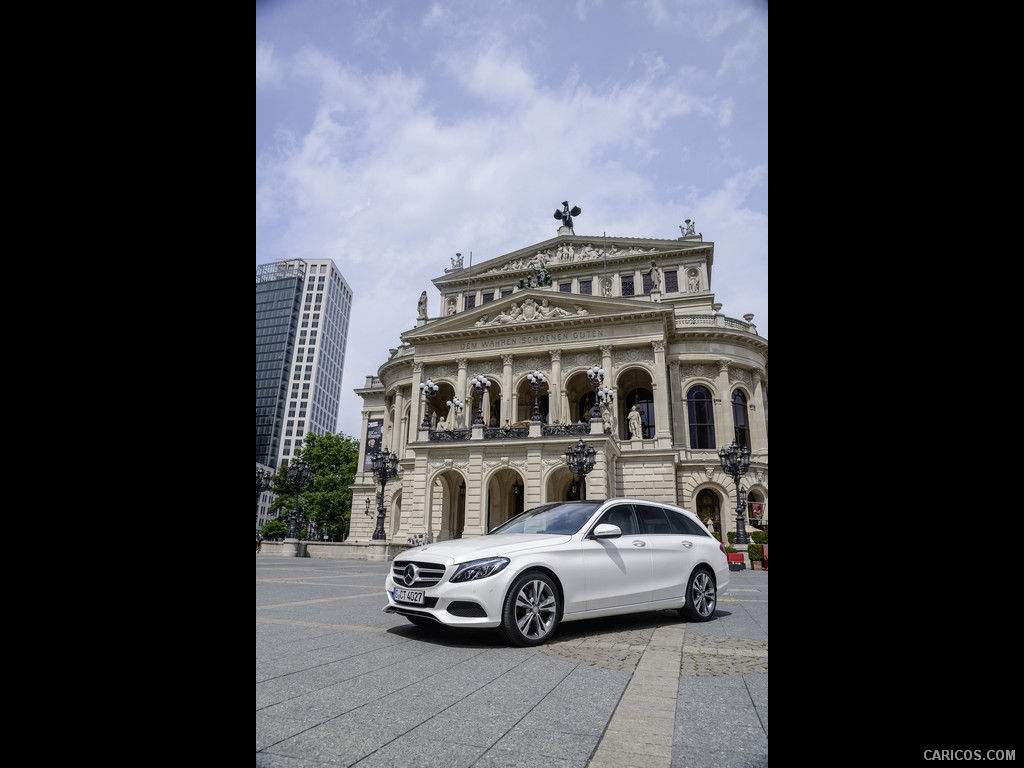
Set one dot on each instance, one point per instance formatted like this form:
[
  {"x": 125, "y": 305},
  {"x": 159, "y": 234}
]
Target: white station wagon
[{"x": 564, "y": 561}]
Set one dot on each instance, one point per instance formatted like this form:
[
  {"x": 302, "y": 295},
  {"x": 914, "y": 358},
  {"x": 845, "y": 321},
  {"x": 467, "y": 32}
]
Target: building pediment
[{"x": 536, "y": 309}]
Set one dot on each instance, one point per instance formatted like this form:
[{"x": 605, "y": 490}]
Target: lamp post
[
  {"x": 596, "y": 376},
  {"x": 580, "y": 461},
  {"x": 735, "y": 463},
  {"x": 428, "y": 388},
  {"x": 537, "y": 380},
  {"x": 482, "y": 385},
  {"x": 299, "y": 475},
  {"x": 385, "y": 466},
  {"x": 262, "y": 482},
  {"x": 458, "y": 406}
]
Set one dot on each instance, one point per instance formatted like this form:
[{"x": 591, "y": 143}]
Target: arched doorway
[
  {"x": 447, "y": 507},
  {"x": 561, "y": 485},
  {"x": 709, "y": 510},
  {"x": 504, "y": 497},
  {"x": 395, "y": 514}
]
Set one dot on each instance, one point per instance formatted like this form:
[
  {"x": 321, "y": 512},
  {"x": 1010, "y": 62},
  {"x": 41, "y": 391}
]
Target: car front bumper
[{"x": 466, "y": 604}]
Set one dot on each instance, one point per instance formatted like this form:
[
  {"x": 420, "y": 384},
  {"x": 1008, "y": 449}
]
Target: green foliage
[
  {"x": 761, "y": 537},
  {"x": 755, "y": 552},
  {"x": 326, "y": 503},
  {"x": 274, "y": 529}
]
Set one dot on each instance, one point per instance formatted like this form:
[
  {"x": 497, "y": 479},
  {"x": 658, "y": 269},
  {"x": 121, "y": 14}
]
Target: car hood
[{"x": 461, "y": 550}]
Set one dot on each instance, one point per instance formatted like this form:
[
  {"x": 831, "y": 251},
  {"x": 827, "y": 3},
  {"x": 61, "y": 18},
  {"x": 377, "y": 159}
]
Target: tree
[
  {"x": 326, "y": 503},
  {"x": 273, "y": 530}
]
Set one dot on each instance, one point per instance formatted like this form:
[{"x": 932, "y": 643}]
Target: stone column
[
  {"x": 460, "y": 390},
  {"x": 726, "y": 430},
  {"x": 417, "y": 411},
  {"x": 398, "y": 440},
  {"x": 758, "y": 429},
  {"x": 506, "y": 390},
  {"x": 661, "y": 409},
  {"x": 555, "y": 388}
]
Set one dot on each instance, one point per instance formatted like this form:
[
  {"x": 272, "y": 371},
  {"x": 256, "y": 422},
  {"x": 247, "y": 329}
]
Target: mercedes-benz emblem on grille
[{"x": 411, "y": 574}]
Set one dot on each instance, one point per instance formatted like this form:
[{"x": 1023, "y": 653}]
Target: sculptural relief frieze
[
  {"x": 568, "y": 253},
  {"x": 527, "y": 312}
]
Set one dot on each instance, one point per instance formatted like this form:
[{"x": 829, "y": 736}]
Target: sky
[{"x": 393, "y": 134}]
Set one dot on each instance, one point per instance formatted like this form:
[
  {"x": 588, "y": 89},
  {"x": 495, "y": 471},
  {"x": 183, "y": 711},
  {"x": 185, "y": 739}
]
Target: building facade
[
  {"x": 604, "y": 342},
  {"x": 302, "y": 319}
]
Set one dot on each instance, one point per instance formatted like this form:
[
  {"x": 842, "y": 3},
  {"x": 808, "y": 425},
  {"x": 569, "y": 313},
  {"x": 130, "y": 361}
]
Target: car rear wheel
[
  {"x": 531, "y": 610},
  {"x": 701, "y": 597}
]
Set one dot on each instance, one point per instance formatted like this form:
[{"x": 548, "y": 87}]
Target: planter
[
  {"x": 756, "y": 564},
  {"x": 736, "y": 561}
]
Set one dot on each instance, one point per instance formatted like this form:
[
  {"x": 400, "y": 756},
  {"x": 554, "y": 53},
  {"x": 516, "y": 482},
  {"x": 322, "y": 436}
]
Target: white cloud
[{"x": 469, "y": 143}]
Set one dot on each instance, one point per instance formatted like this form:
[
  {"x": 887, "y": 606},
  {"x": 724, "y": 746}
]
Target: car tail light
[{"x": 721, "y": 546}]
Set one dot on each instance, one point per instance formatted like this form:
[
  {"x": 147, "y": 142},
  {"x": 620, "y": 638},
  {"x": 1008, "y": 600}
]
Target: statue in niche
[
  {"x": 636, "y": 427},
  {"x": 655, "y": 277}
]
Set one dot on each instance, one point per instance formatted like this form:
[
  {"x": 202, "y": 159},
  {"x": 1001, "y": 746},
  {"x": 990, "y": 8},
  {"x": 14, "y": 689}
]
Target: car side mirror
[{"x": 607, "y": 531}]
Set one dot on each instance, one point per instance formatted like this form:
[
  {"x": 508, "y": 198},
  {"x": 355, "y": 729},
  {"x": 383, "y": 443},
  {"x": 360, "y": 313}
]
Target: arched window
[
  {"x": 739, "y": 418},
  {"x": 644, "y": 402},
  {"x": 701, "y": 411}
]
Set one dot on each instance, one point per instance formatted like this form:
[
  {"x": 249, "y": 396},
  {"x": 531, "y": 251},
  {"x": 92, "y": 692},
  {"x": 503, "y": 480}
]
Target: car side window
[
  {"x": 654, "y": 519},
  {"x": 681, "y": 524},
  {"x": 622, "y": 516}
]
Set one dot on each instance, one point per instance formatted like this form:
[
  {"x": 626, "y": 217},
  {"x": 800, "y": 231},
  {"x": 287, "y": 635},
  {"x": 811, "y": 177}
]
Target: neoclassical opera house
[{"x": 482, "y": 402}]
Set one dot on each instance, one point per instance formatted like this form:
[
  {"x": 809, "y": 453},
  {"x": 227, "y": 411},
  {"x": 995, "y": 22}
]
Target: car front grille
[{"x": 425, "y": 574}]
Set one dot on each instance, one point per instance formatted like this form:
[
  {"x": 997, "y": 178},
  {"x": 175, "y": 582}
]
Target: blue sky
[{"x": 393, "y": 134}]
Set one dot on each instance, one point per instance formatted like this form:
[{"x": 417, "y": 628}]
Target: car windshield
[{"x": 562, "y": 517}]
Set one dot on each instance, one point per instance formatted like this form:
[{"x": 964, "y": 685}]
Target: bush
[
  {"x": 755, "y": 552},
  {"x": 761, "y": 537}
]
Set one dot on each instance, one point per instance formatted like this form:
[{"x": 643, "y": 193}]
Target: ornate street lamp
[
  {"x": 537, "y": 381},
  {"x": 580, "y": 461},
  {"x": 482, "y": 385},
  {"x": 428, "y": 388},
  {"x": 596, "y": 376},
  {"x": 299, "y": 475},
  {"x": 458, "y": 406},
  {"x": 262, "y": 481},
  {"x": 385, "y": 466},
  {"x": 735, "y": 463}
]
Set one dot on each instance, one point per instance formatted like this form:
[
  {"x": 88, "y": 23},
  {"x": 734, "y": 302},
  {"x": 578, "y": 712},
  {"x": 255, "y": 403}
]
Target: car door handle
[
  {"x": 639, "y": 543},
  {"x": 687, "y": 544}
]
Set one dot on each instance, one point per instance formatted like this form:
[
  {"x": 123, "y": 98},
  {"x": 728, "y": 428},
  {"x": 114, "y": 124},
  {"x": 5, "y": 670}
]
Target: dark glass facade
[{"x": 278, "y": 297}]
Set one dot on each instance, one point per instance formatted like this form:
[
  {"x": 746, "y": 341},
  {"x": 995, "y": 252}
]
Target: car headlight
[{"x": 479, "y": 569}]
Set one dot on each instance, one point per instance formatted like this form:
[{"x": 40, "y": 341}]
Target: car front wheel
[
  {"x": 701, "y": 597},
  {"x": 531, "y": 610}
]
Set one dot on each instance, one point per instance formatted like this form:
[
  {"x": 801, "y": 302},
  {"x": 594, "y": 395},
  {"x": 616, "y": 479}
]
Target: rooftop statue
[{"x": 566, "y": 215}]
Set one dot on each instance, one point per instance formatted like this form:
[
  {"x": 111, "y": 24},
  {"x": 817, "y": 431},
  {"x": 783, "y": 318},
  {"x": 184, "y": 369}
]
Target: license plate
[{"x": 408, "y": 595}]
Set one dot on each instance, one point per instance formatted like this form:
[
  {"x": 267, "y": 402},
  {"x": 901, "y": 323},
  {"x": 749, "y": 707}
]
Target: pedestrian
[{"x": 259, "y": 541}]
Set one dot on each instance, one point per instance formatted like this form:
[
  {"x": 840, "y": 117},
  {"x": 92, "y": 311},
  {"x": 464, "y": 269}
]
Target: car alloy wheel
[
  {"x": 701, "y": 597},
  {"x": 531, "y": 610}
]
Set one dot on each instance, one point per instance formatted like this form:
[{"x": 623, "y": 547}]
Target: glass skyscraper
[{"x": 302, "y": 317}]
